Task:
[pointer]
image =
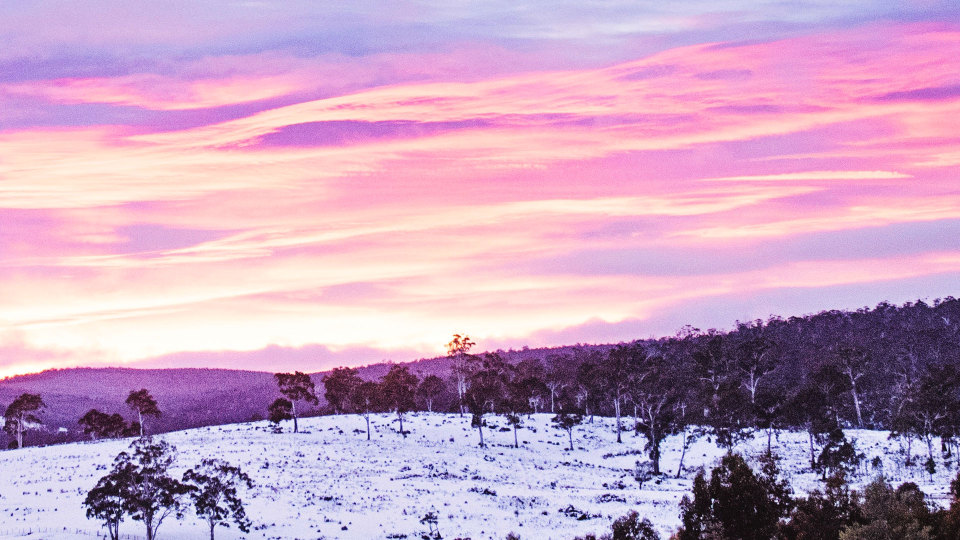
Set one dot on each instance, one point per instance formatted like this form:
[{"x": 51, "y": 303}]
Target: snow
[{"x": 330, "y": 482}]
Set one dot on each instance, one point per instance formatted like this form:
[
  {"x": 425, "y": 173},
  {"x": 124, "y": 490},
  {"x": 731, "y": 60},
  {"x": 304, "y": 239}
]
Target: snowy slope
[{"x": 330, "y": 482}]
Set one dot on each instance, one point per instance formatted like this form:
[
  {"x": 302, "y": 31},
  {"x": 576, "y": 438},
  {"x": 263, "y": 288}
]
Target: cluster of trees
[
  {"x": 734, "y": 502},
  {"x": 737, "y": 503},
  {"x": 21, "y": 416},
  {"x": 100, "y": 425},
  {"x": 141, "y": 487},
  {"x": 891, "y": 367}
]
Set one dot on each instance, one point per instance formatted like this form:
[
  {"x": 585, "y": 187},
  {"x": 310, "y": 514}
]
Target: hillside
[
  {"x": 329, "y": 482},
  {"x": 188, "y": 397}
]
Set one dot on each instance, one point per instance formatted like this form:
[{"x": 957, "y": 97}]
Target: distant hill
[{"x": 188, "y": 397}]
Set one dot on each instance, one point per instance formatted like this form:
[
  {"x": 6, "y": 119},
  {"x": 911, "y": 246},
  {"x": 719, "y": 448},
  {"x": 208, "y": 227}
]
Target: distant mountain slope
[{"x": 188, "y": 397}]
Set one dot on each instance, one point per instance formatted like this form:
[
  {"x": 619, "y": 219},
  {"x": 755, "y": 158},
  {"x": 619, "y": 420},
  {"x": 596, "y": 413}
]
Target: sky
[{"x": 302, "y": 185}]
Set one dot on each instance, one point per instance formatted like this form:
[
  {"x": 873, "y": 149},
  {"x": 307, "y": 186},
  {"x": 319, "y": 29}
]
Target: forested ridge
[{"x": 889, "y": 367}]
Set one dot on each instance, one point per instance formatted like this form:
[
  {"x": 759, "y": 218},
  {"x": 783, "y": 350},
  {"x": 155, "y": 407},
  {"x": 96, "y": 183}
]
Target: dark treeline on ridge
[{"x": 889, "y": 367}]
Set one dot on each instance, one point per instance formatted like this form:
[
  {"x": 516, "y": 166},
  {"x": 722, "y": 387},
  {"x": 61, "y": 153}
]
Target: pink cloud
[{"x": 394, "y": 214}]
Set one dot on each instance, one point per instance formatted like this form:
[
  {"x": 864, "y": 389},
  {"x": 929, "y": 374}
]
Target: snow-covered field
[{"x": 330, "y": 482}]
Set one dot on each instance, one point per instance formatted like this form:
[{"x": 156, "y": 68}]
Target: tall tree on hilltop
[
  {"x": 398, "y": 387},
  {"x": 296, "y": 386},
  {"x": 143, "y": 403},
  {"x": 20, "y": 414},
  {"x": 459, "y": 351},
  {"x": 339, "y": 385}
]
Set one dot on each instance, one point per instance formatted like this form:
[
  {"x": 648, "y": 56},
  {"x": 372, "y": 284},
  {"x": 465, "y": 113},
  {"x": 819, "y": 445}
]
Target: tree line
[
  {"x": 890, "y": 367},
  {"x": 21, "y": 416}
]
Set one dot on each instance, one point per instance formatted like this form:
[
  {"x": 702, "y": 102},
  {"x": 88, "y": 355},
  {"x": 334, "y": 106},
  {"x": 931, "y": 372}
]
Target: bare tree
[{"x": 458, "y": 350}]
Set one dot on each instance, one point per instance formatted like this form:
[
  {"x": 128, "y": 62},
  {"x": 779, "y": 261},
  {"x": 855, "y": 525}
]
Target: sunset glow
[{"x": 232, "y": 184}]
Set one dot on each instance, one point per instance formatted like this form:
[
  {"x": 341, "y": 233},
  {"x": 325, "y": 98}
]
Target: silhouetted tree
[
  {"x": 98, "y": 424},
  {"x": 655, "y": 394},
  {"x": 631, "y": 527},
  {"x": 106, "y": 500},
  {"x": 488, "y": 387},
  {"x": 281, "y": 409},
  {"x": 889, "y": 513},
  {"x": 398, "y": 387},
  {"x": 754, "y": 357},
  {"x": 431, "y": 387},
  {"x": 141, "y": 483},
  {"x": 339, "y": 385},
  {"x": 215, "y": 493},
  {"x": 619, "y": 374},
  {"x": 933, "y": 407},
  {"x": 366, "y": 399},
  {"x": 823, "y": 515},
  {"x": 567, "y": 418},
  {"x": 143, "y": 403},
  {"x": 735, "y": 503},
  {"x": 296, "y": 386},
  {"x": 21, "y": 414},
  {"x": 459, "y": 351}
]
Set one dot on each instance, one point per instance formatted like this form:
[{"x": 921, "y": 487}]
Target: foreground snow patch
[{"x": 330, "y": 482}]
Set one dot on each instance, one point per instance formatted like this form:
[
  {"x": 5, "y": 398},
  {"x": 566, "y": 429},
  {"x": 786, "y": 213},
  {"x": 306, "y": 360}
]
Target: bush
[
  {"x": 734, "y": 503},
  {"x": 631, "y": 527}
]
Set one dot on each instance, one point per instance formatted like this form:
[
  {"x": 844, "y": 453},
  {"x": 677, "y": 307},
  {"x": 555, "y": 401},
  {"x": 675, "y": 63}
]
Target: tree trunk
[
  {"x": 212, "y": 526},
  {"x": 140, "y": 418},
  {"x": 20, "y": 432},
  {"x": 654, "y": 450},
  {"x": 570, "y": 432},
  {"x": 516, "y": 444},
  {"x": 683, "y": 452},
  {"x": 551, "y": 401},
  {"x": 294, "y": 409},
  {"x": 429, "y": 405},
  {"x": 616, "y": 408},
  {"x": 856, "y": 399},
  {"x": 480, "y": 429},
  {"x": 400, "y": 416},
  {"x": 367, "y": 416},
  {"x": 813, "y": 460}
]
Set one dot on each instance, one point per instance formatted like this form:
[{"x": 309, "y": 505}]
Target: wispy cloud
[{"x": 379, "y": 202}]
